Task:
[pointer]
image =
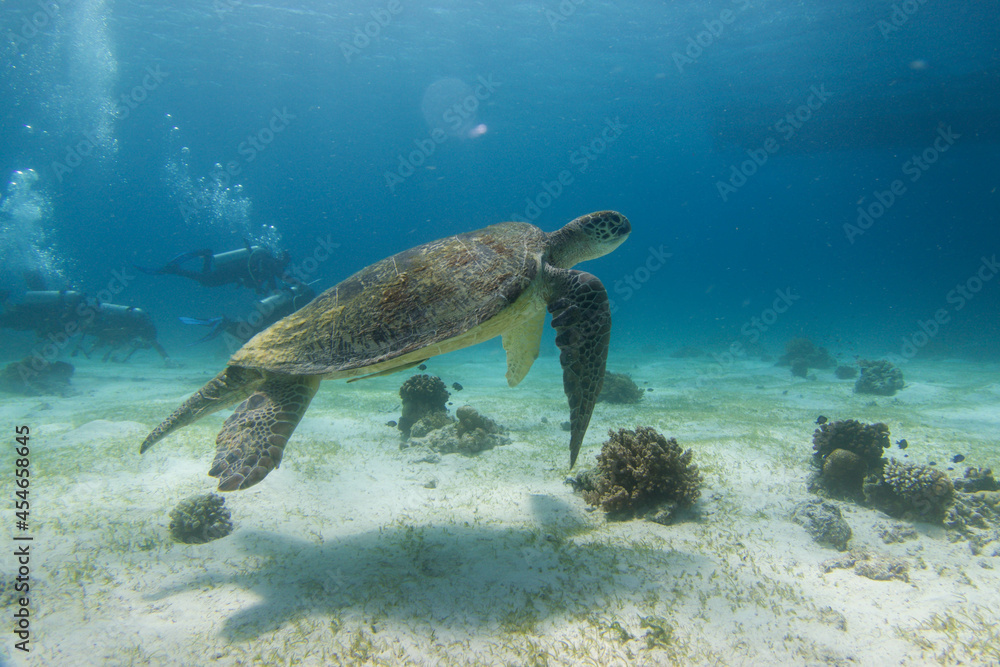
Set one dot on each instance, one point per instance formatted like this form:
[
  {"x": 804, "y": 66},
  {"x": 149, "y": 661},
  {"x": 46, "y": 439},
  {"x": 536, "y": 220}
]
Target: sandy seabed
[{"x": 355, "y": 553}]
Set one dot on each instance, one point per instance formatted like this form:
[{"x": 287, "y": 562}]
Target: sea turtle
[{"x": 400, "y": 311}]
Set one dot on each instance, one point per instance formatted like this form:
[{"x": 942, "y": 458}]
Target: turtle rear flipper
[
  {"x": 522, "y": 343},
  {"x": 581, "y": 315},
  {"x": 223, "y": 390},
  {"x": 252, "y": 440}
]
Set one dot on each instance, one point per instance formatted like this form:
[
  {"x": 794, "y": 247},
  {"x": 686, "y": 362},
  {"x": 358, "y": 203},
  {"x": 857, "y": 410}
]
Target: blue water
[{"x": 642, "y": 107}]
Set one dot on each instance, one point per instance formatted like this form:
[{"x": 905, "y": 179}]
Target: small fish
[
  {"x": 932, "y": 463},
  {"x": 422, "y": 367},
  {"x": 391, "y": 424},
  {"x": 821, "y": 419},
  {"x": 957, "y": 458},
  {"x": 456, "y": 386},
  {"x": 902, "y": 443}
]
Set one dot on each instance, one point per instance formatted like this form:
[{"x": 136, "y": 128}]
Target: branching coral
[
  {"x": 802, "y": 354},
  {"x": 912, "y": 491},
  {"x": 800, "y": 368},
  {"x": 976, "y": 479},
  {"x": 472, "y": 433},
  {"x": 878, "y": 377},
  {"x": 976, "y": 506},
  {"x": 620, "y": 388},
  {"x": 422, "y": 395},
  {"x": 974, "y": 510},
  {"x": 865, "y": 440},
  {"x": 638, "y": 469},
  {"x": 199, "y": 519},
  {"x": 845, "y": 372}
]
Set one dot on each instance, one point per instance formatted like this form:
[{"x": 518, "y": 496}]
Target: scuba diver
[
  {"x": 47, "y": 312},
  {"x": 251, "y": 266},
  {"x": 267, "y": 311},
  {"x": 117, "y": 326},
  {"x": 59, "y": 315}
]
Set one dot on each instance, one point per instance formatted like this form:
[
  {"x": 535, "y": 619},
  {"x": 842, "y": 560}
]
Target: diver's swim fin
[
  {"x": 215, "y": 323},
  {"x": 174, "y": 264}
]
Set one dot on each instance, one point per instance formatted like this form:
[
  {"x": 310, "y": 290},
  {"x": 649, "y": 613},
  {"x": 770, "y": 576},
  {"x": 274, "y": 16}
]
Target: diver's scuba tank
[
  {"x": 115, "y": 311},
  {"x": 53, "y": 298}
]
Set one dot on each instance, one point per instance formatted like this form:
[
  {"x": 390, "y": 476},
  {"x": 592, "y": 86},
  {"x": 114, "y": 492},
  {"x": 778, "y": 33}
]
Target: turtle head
[{"x": 588, "y": 237}]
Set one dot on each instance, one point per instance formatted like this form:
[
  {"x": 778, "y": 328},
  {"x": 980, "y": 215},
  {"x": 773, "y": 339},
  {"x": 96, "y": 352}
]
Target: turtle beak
[
  {"x": 625, "y": 228},
  {"x": 618, "y": 227}
]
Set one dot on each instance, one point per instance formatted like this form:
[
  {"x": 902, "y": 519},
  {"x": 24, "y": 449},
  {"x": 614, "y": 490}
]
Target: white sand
[{"x": 344, "y": 556}]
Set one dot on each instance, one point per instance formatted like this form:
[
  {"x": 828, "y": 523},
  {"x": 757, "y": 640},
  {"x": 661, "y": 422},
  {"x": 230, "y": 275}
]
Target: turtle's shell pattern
[{"x": 422, "y": 296}]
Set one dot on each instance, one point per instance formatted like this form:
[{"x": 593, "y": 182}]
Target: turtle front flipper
[
  {"x": 252, "y": 440},
  {"x": 581, "y": 315},
  {"x": 226, "y": 388}
]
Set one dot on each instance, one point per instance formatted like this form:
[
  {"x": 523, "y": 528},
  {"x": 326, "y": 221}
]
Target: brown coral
[
  {"x": 843, "y": 473},
  {"x": 880, "y": 377},
  {"x": 976, "y": 479},
  {"x": 422, "y": 395},
  {"x": 806, "y": 354},
  {"x": 200, "y": 519},
  {"x": 865, "y": 440},
  {"x": 910, "y": 491},
  {"x": 638, "y": 469},
  {"x": 620, "y": 388},
  {"x": 472, "y": 433}
]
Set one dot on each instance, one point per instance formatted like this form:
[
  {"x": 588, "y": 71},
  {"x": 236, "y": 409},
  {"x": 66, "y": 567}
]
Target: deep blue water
[{"x": 683, "y": 92}]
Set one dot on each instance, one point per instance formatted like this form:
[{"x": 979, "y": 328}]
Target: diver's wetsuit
[{"x": 253, "y": 267}]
